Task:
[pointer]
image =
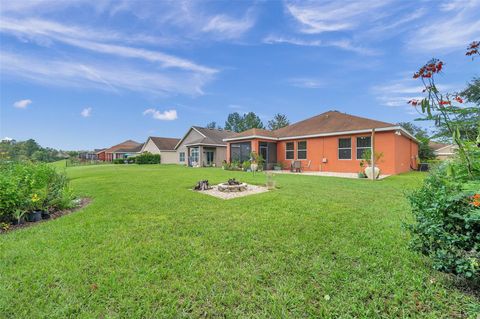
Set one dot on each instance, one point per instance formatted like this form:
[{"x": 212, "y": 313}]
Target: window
[
  {"x": 290, "y": 152},
  {"x": 302, "y": 150},
  {"x": 240, "y": 152},
  {"x": 194, "y": 153},
  {"x": 363, "y": 145},
  {"x": 181, "y": 156},
  {"x": 345, "y": 148}
]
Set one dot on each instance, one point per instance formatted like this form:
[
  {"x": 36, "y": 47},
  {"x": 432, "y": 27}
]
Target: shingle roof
[
  {"x": 135, "y": 149},
  {"x": 328, "y": 122},
  {"x": 165, "y": 143},
  {"x": 436, "y": 145},
  {"x": 127, "y": 145},
  {"x": 211, "y": 136}
]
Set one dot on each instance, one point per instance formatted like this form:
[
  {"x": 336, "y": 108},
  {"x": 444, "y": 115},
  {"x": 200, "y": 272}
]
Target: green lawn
[{"x": 149, "y": 247}]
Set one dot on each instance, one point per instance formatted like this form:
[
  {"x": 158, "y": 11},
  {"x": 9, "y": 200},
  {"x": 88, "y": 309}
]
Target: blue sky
[{"x": 88, "y": 74}]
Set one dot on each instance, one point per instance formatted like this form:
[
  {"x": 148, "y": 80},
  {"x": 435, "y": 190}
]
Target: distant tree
[
  {"x": 212, "y": 124},
  {"x": 234, "y": 122},
  {"x": 29, "y": 147},
  {"x": 278, "y": 121},
  {"x": 252, "y": 120},
  {"x": 424, "y": 150}
]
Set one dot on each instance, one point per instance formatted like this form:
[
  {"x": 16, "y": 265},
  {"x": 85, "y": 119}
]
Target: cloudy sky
[{"x": 84, "y": 74}]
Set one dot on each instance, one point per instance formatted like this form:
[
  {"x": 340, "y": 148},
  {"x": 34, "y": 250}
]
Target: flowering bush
[
  {"x": 26, "y": 186},
  {"x": 447, "y": 227},
  {"x": 447, "y": 207}
]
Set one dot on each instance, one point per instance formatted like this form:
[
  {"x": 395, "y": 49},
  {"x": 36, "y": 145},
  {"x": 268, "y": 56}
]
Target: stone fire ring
[{"x": 232, "y": 188}]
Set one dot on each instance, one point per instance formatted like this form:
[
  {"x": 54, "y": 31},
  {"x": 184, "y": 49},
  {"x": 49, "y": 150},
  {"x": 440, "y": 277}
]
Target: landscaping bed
[{"x": 80, "y": 203}]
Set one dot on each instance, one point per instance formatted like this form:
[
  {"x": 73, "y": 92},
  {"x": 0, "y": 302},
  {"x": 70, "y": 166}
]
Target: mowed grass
[{"x": 149, "y": 247}]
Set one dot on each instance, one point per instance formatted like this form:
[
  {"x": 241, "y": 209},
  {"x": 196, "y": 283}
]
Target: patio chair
[{"x": 297, "y": 166}]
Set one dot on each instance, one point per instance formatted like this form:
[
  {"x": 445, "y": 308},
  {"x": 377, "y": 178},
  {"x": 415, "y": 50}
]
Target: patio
[{"x": 330, "y": 174}]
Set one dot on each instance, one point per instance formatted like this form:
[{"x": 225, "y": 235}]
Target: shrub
[
  {"x": 147, "y": 158},
  {"x": 447, "y": 228},
  {"x": 119, "y": 161},
  {"x": 24, "y": 186},
  {"x": 246, "y": 165}
]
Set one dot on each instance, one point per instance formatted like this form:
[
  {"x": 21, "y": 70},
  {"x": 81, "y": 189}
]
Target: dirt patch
[
  {"x": 53, "y": 215},
  {"x": 250, "y": 190}
]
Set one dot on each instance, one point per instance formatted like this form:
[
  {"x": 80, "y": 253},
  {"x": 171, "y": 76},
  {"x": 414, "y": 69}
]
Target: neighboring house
[
  {"x": 203, "y": 147},
  {"x": 164, "y": 146},
  {"x": 90, "y": 156},
  {"x": 330, "y": 142},
  {"x": 122, "y": 150},
  {"x": 443, "y": 151}
]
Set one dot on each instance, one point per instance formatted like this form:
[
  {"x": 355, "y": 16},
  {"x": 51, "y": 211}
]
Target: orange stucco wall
[{"x": 399, "y": 153}]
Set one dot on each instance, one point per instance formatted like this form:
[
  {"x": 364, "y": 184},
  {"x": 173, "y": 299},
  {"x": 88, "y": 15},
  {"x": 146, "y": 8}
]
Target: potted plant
[
  {"x": 246, "y": 165},
  {"x": 369, "y": 170},
  {"x": 35, "y": 214},
  {"x": 254, "y": 161},
  {"x": 361, "y": 174},
  {"x": 19, "y": 216},
  {"x": 277, "y": 166}
]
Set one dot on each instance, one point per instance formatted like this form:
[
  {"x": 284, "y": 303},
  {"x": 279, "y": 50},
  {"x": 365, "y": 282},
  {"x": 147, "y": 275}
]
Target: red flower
[
  {"x": 459, "y": 100},
  {"x": 413, "y": 102},
  {"x": 444, "y": 102}
]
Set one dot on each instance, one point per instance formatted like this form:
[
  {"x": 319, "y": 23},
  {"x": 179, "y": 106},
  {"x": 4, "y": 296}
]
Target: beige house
[
  {"x": 443, "y": 151},
  {"x": 164, "y": 146},
  {"x": 203, "y": 147}
]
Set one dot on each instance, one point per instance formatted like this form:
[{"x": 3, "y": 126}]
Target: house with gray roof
[
  {"x": 203, "y": 147},
  {"x": 165, "y": 146}
]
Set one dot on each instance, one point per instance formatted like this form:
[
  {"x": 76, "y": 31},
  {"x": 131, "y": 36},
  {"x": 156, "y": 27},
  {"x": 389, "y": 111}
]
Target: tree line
[
  {"x": 238, "y": 123},
  {"x": 29, "y": 150}
]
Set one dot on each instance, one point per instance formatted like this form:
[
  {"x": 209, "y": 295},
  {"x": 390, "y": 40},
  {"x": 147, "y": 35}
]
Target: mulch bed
[{"x": 53, "y": 215}]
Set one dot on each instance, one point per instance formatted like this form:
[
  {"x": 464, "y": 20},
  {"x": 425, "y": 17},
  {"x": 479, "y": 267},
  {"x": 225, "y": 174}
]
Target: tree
[
  {"x": 234, "y": 122},
  {"x": 251, "y": 120},
  {"x": 424, "y": 150},
  {"x": 278, "y": 121},
  {"x": 212, "y": 124}
]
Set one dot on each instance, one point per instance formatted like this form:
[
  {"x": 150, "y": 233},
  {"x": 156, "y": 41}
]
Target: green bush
[
  {"x": 147, "y": 158},
  {"x": 27, "y": 186},
  {"x": 119, "y": 161},
  {"x": 447, "y": 227},
  {"x": 246, "y": 165}
]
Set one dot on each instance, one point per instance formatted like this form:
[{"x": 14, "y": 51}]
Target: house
[
  {"x": 89, "y": 155},
  {"x": 165, "y": 146},
  {"x": 203, "y": 147},
  {"x": 330, "y": 142},
  {"x": 443, "y": 151},
  {"x": 122, "y": 150}
]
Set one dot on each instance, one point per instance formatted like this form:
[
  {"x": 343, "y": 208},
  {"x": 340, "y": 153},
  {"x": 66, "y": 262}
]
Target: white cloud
[
  {"x": 44, "y": 31},
  {"x": 453, "y": 30},
  {"x": 344, "y": 44},
  {"x": 22, "y": 104},
  {"x": 307, "y": 83},
  {"x": 101, "y": 75},
  {"x": 168, "y": 115},
  {"x": 86, "y": 112},
  {"x": 317, "y": 17},
  {"x": 227, "y": 27}
]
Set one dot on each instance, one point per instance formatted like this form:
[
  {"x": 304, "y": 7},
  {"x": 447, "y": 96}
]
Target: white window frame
[
  {"x": 287, "y": 150},
  {"x": 197, "y": 151},
  {"x": 302, "y": 150},
  {"x": 363, "y": 148},
  {"x": 344, "y": 148},
  {"x": 180, "y": 157}
]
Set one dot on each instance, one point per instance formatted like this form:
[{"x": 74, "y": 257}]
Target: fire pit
[{"x": 232, "y": 186}]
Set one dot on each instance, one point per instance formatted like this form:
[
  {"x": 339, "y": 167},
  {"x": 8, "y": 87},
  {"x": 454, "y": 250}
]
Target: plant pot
[
  {"x": 254, "y": 167},
  {"x": 34, "y": 216},
  {"x": 369, "y": 171},
  {"x": 361, "y": 175},
  {"x": 45, "y": 215},
  {"x": 19, "y": 222},
  {"x": 277, "y": 168}
]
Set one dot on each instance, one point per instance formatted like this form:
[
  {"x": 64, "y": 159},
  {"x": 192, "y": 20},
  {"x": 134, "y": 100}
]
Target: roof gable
[
  {"x": 164, "y": 143},
  {"x": 127, "y": 145},
  {"x": 209, "y": 136}
]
